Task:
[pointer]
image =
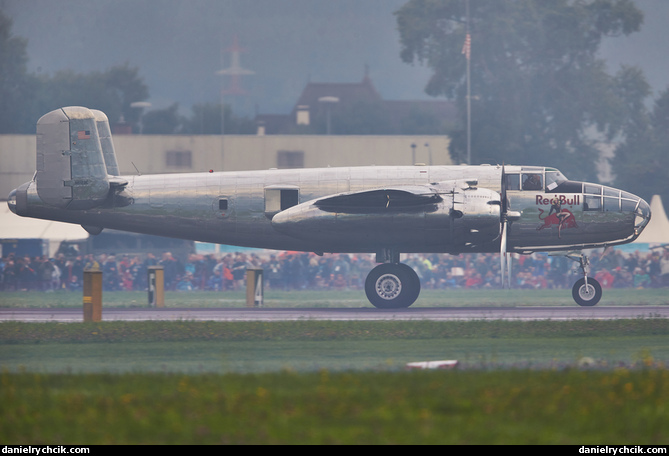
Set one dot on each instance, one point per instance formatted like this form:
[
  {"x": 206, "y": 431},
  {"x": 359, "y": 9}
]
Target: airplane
[{"x": 382, "y": 210}]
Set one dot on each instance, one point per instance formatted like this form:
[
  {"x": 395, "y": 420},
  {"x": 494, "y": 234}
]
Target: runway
[{"x": 342, "y": 314}]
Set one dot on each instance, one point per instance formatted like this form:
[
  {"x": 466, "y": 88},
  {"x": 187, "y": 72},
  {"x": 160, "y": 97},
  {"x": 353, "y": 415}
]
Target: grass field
[
  {"x": 315, "y": 382},
  {"x": 424, "y": 407},
  {"x": 257, "y": 347}
]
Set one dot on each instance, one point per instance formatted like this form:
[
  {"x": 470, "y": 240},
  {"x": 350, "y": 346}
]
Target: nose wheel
[
  {"x": 586, "y": 291},
  {"x": 392, "y": 286},
  {"x": 587, "y": 294}
]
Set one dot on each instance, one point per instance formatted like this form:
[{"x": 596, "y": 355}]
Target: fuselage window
[{"x": 223, "y": 205}]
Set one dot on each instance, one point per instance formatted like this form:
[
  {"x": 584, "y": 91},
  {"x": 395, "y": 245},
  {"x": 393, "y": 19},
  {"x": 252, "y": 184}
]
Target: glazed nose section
[{"x": 642, "y": 213}]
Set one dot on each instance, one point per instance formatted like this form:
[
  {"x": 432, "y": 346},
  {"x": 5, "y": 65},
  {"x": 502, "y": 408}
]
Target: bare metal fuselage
[{"x": 456, "y": 209}]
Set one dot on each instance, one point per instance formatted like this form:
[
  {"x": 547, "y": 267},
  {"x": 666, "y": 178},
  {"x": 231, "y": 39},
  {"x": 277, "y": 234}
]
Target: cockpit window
[
  {"x": 553, "y": 179},
  {"x": 608, "y": 191},
  {"x": 533, "y": 181},
  {"x": 592, "y": 203},
  {"x": 592, "y": 189}
]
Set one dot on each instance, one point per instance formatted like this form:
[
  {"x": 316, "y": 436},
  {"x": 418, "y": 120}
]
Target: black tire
[
  {"x": 392, "y": 286},
  {"x": 589, "y": 296}
]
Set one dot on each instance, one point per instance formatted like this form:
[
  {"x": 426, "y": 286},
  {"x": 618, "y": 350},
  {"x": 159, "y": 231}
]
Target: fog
[{"x": 179, "y": 45}]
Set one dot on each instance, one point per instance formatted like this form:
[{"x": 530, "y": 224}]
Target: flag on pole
[{"x": 467, "y": 47}]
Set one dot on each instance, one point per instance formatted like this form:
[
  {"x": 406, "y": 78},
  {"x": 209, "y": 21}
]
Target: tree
[
  {"x": 125, "y": 86},
  {"x": 26, "y": 97},
  {"x": 162, "y": 121},
  {"x": 111, "y": 91},
  {"x": 16, "y": 85},
  {"x": 642, "y": 160},
  {"x": 539, "y": 92}
]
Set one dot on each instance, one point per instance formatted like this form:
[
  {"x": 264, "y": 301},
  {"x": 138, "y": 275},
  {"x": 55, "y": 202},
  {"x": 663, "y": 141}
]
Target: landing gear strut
[
  {"x": 586, "y": 291},
  {"x": 392, "y": 286}
]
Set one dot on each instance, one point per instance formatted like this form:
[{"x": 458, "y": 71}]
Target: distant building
[
  {"x": 153, "y": 154},
  {"x": 338, "y": 102},
  {"x": 296, "y": 140}
]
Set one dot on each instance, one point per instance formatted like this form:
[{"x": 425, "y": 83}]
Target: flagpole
[{"x": 469, "y": 100}]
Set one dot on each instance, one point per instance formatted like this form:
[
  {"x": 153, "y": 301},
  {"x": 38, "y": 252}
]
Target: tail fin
[{"x": 71, "y": 167}]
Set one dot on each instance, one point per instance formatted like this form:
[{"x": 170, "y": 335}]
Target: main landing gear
[
  {"x": 392, "y": 286},
  {"x": 586, "y": 291}
]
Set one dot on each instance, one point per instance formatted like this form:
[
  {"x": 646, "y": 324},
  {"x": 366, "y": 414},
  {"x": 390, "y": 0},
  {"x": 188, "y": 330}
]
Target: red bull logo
[{"x": 557, "y": 216}]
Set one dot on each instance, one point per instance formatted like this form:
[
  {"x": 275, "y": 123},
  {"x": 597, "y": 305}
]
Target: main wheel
[
  {"x": 587, "y": 295},
  {"x": 392, "y": 286}
]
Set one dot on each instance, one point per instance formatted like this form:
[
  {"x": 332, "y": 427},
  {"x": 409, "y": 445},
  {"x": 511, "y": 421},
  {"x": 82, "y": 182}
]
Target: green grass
[
  {"x": 335, "y": 298},
  {"x": 620, "y": 407},
  {"x": 254, "y": 347},
  {"x": 322, "y": 382}
]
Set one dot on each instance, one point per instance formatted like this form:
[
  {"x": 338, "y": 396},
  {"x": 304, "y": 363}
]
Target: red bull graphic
[{"x": 557, "y": 215}]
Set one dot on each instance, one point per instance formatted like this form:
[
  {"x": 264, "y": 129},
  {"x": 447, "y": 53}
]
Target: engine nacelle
[
  {"x": 71, "y": 169},
  {"x": 405, "y": 220}
]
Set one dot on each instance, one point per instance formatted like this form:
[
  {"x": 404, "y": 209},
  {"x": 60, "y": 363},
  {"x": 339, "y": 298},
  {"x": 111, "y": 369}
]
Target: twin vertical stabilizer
[{"x": 75, "y": 158}]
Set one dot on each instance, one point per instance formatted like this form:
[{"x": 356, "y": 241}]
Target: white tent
[
  {"x": 14, "y": 227},
  {"x": 657, "y": 231}
]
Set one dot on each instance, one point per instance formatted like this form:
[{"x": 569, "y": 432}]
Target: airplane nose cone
[
  {"x": 11, "y": 201},
  {"x": 642, "y": 213}
]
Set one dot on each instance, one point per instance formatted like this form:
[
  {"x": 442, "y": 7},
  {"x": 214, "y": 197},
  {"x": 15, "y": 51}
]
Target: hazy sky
[{"x": 177, "y": 45}]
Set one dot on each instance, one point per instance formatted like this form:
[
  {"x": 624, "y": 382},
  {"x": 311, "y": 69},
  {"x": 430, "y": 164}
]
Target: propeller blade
[
  {"x": 503, "y": 195},
  {"x": 508, "y": 270},
  {"x": 503, "y": 254}
]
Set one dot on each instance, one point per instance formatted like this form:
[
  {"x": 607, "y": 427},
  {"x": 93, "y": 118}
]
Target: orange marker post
[{"x": 92, "y": 295}]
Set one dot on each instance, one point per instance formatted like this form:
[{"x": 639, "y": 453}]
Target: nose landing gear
[{"x": 586, "y": 291}]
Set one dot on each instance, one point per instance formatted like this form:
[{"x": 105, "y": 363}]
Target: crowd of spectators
[{"x": 297, "y": 271}]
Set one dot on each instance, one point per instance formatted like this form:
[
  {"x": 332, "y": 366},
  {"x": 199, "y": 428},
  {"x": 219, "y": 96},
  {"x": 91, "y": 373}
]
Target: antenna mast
[{"x": 467, "y": 51}]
